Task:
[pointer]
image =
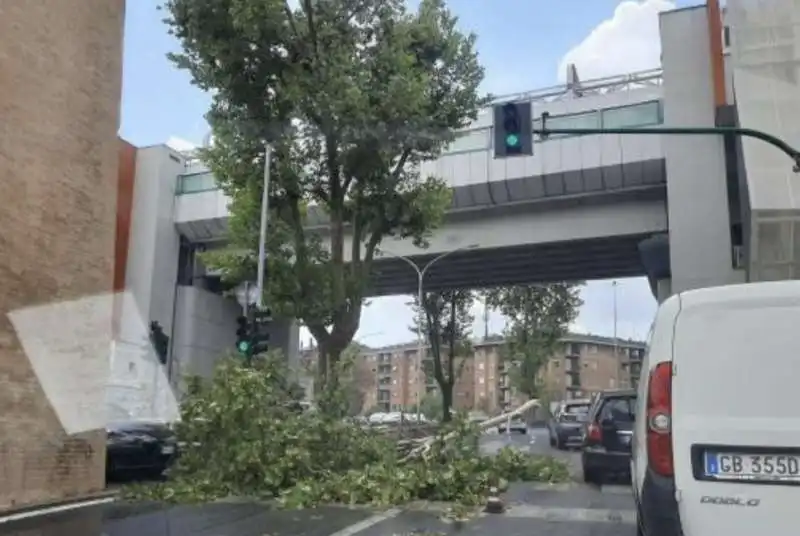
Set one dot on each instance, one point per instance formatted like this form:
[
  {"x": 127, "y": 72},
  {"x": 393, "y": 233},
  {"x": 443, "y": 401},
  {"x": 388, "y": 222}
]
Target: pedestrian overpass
[{"x": 576, "y": 209}]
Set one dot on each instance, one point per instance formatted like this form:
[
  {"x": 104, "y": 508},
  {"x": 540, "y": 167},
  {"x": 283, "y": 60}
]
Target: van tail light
[
  {"x": 659, "y": 420},
  {"x": 594, "y": 433}
]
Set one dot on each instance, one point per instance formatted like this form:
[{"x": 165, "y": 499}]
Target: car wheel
[
  {"x": 557, "y": 443},
  {"x": 552, "y": 441},
  {"x": 639, "y": 529}
]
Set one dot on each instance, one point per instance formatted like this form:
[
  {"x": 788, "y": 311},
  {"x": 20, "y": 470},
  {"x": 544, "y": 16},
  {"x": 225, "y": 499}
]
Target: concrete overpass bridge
[
  {"x": 585, "y": 207},
  {"x": 577, "y": 209}
]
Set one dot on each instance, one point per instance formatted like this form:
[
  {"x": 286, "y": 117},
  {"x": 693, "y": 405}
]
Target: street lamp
[{"x": 421, "y": 319}]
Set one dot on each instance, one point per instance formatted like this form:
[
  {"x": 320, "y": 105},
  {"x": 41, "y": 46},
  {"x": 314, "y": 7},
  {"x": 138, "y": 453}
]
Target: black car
[
  {"x": 606, "y": 446},
  {"x": 139, "y": 448},
  {"x": 566, "y": 425}
]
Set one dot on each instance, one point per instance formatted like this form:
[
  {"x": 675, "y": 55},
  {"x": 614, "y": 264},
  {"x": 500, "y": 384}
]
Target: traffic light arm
[{"x": 685, "y": 131}]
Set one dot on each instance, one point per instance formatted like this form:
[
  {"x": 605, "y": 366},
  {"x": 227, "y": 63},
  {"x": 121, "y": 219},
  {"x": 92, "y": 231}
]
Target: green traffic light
[
  {"x": 512, "y": 140},
  {"x": 244, "y": 346}
]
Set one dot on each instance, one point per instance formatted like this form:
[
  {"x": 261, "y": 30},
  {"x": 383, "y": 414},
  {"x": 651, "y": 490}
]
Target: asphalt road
[{"x": 571, "y": 509}]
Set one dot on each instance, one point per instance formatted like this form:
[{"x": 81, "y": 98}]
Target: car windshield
[{"x": 575, "y": 413}]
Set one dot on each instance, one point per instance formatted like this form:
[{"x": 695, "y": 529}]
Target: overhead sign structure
[{"x": 513, "y": 129}]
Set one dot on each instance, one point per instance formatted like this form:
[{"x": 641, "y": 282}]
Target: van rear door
[{"x": 735, "y": 419}]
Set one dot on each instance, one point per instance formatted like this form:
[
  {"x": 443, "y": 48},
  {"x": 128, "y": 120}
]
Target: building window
[
  {"x": 480, "y": 366},
  {"x": 579, "y": 120},
  {"x": 470, "y": 140},
  {"x": 481, "y": 380},
  {"x": 726, "y": 36},
  {"x": 637, "y": 115}
]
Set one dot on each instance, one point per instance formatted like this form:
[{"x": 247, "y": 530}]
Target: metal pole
[
  {"x": 420, "y": 343},
  {"x": 262, "y": 239},
  {"x": 787, "y": 149},
  {"x": 421, "y": 316},
  {"x": 246, "y": 301},
  {"x": 616, "y": 343}
]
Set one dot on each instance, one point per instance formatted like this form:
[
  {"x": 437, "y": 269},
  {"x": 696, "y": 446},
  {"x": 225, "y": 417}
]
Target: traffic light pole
[
  {"x": 790, "y": 151},
  {"x": 262, "y": 239}
]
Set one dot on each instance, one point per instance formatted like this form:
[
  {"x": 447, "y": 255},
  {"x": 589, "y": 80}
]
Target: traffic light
[
  {"x": 513, "y": 129},
  {"x": 260, "y": 336},
  {"x": 243, "y": 335}
]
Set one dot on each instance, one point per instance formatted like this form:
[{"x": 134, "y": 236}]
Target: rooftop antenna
[{"x": 573, "y": 82}]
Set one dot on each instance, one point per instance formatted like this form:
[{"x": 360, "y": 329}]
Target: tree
[
  {"x": 352, "y": 95},
  {"x": 537, "y": 317},
  {"x": 447, "y": 328}
]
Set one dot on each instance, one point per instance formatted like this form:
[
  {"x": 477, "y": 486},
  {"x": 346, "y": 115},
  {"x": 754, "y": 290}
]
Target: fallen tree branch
[{"x": 425, "y": 443}]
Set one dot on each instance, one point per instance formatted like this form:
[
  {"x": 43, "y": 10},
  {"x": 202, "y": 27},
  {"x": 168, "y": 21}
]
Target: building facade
[
  {"x": 60, "y": 97},
  {"x": 389, "y": 377}
]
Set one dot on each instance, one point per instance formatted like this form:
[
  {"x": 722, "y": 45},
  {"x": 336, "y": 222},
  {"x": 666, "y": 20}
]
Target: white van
[{"x": 716, "y": 448}]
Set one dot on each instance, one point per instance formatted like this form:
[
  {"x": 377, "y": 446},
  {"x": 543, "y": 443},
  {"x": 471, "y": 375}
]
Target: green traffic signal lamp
[
  {"x": 512, "y": 140},
  {"x": 243, "y": 335}
]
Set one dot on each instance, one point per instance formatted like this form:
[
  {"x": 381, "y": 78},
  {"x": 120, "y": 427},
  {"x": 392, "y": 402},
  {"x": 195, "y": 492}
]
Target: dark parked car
[
  {"x": 566, "y": 425},
  {"x": 139, "y": 448},
  {"x": 606, "y": 447}
]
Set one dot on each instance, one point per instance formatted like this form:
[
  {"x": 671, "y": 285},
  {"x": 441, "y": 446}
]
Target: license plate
[
  {"x": 168, "y": 449},
  {"x": 753, "y": 467}
]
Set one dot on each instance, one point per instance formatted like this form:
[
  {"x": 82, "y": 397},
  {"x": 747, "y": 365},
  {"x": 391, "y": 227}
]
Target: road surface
[{"x": 571, "y": 509}]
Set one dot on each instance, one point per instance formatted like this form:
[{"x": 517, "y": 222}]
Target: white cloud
[{"x": 625, "y": 43}]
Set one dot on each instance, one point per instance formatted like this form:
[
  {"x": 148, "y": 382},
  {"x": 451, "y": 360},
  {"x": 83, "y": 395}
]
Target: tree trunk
[{"x": 447, "y": 401}]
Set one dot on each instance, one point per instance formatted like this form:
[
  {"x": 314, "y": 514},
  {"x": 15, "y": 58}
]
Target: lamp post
[
  {"x": 617, "y": 363},
  {"x": 421, "y": 316}
]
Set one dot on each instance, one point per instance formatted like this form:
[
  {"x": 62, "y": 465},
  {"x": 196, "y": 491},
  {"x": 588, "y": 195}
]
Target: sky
[{"x": 523, "y": 45}]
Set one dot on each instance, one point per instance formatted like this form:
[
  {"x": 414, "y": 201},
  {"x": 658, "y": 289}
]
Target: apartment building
[{"x": 390, "y": 378}]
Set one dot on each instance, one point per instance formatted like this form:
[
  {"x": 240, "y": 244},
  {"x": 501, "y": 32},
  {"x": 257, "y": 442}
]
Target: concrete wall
[
  {"x": 699, "y": 224},
  {"x": 561, "y": 225},
  {"x": 59, "y": 96},
  {"x": 205, "y": 330},
  {"x": 154, "y": 243},
  {"x": 765, "y": 46}
]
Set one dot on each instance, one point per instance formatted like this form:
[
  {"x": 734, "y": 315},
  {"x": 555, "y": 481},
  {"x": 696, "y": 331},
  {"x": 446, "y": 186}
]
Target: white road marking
[
  {"x": 55, "y": 509},
  {"x": 585, "y": 515},
  {"x": 367, "y": 523}
]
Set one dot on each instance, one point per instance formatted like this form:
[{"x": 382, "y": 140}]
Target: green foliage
[
  {"x": 537, "y": 317},
  {"x": 244, "y": 422},
  {"x": 447, "y": 328},
  {"x": 352, "y": 95}
]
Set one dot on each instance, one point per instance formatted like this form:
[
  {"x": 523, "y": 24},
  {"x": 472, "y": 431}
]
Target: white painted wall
[
  {"x": 154, "y": 243},
  {"x": 538, "y": 227},
  {"x": 699, "y": 225}
]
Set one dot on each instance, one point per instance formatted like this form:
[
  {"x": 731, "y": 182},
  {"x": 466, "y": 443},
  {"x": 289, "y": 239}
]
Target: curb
[{"x": 55, "y": 507}]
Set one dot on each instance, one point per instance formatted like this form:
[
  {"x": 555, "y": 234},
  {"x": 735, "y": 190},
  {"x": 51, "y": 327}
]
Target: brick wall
[{"x": 59, "y": 104}]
